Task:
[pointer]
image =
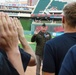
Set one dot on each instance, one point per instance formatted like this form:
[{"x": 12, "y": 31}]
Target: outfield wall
[
  {"x": 50, "y": 27},
  {"x": 29, "y": 28},
  {"x": 26, "y": 23}
]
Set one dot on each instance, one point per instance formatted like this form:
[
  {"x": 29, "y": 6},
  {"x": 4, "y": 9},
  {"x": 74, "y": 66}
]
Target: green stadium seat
[
  {"x": 58, "y": 4},
  {"x": 41, "y": 6}
]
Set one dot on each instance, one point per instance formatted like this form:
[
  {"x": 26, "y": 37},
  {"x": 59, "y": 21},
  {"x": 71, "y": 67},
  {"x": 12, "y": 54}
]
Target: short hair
[
  {"x": 69, "y": 12},
  {"x": 43, "y": 25}
]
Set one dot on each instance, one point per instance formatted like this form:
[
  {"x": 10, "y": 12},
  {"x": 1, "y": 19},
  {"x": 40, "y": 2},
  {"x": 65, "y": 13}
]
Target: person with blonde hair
[
  {"x": 69, "y": 63},
  {"x": 56, "y": 49}
]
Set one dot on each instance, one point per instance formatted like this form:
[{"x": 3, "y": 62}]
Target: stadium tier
[
  {"x": 41, "y": 5},
  {"x": 56, "y": 5},
  {"x": 50, "y": 26},
  {"x": 45, "y": 11}
]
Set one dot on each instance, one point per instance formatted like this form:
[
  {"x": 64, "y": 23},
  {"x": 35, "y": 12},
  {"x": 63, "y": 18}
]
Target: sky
[{"x": 1, "y": 1}]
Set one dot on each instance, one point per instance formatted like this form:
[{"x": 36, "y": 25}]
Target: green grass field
[{"x": 32, "y": 44}]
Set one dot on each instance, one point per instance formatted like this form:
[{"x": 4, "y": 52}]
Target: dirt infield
[{"x": 31, "y": 71}]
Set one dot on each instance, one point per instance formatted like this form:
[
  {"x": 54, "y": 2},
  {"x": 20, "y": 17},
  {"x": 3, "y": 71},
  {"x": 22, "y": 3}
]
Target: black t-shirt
[
  {"x": 6, "y": 68},
  {"x": 55, "y": 50},
  {"x": 69, "y": 63}
]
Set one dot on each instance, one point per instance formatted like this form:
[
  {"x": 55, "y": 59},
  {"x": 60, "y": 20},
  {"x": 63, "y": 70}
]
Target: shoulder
[
  {"x": 54, "y": 44},
  {"x": 71, "y": 56},
  {"x": 56, "y": 40},
  {"x": 72, "y": 51},
  {"x": 69, "y": 63}
]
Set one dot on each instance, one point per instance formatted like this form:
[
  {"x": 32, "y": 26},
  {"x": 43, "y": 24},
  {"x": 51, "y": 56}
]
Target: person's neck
[{"x": 69, "y": 30}]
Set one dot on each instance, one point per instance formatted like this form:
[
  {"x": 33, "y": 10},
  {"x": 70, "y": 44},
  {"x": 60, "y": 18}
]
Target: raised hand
[
  {"x": 36, "y": 31},
  {"x": 24, "y": 42},
  {"x": 9, "y": 42},
  {"x": 8, "y": 33},
  {"x": 19, "y": 28}
]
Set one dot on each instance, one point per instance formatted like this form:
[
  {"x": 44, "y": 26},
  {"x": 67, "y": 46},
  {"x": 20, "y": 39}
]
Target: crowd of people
[{"x": 58, "y": 55}]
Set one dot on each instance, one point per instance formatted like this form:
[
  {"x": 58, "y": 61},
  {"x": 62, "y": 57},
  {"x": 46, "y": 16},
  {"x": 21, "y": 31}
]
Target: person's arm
[
  {"x": 48, "y": 67},
  {"x": 33, "y": 38},
  {"x": 25, "y": 44},
  {"x": 29, "y": 50},
  {"x": 9, "y": 42}
]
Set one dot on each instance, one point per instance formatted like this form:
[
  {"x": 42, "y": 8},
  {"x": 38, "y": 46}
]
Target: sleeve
[
  {"x": 3, "y": 65},
  {"x": 33, "y": 39},
  {"x": 48, "y": 59},
  {"x": 6, "y": 68},
  {"x": 69, "y": 63},
  {"x": 36, "y": 38},
  {"x": 25, "y": 58}
]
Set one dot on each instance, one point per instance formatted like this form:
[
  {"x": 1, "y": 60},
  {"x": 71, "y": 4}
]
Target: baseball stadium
[{"x": 33, "y": 13}]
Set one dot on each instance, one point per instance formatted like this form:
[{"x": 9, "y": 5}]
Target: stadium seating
[
  {"x": 41, "y": 6},
  {"x": 57, "y": 4},
  {"x": 54, "y": 24}
]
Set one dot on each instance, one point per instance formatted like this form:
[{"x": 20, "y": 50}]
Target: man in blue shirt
[
  {"x": 56, "y": 49},
  {"x": 69, "y": 63}
]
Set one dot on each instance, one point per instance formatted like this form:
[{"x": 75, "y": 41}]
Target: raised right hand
[{"x": 8, "y": 33}]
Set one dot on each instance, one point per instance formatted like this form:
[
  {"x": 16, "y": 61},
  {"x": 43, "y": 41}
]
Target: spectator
[
  {"x": 69, "y": 63},
  {"x": 56, "y": 49},
  {"x": 40, "y": 37},
  {"x": 13, "y": 60}
]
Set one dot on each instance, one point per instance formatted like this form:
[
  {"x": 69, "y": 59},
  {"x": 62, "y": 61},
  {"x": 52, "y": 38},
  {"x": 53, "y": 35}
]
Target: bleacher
[
  {"x": 57, "y": 4},
  {"x": 54, "y": 23},
  {"x": 41, "y": 6}
]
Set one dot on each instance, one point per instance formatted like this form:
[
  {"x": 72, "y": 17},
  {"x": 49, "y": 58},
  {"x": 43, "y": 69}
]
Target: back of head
[{"x": 70, "y": 14}]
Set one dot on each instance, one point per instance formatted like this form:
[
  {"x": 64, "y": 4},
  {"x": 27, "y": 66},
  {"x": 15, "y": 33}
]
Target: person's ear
[{"x": 63, "y": 19}]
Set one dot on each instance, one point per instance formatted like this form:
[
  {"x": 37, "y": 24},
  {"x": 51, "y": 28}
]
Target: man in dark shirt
[
  {"x": 40, "y": 37},
  {"x": 69, "y": 63},
  {"x": 13, "y": 60},
  {"x": 56, "y": 48}
]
